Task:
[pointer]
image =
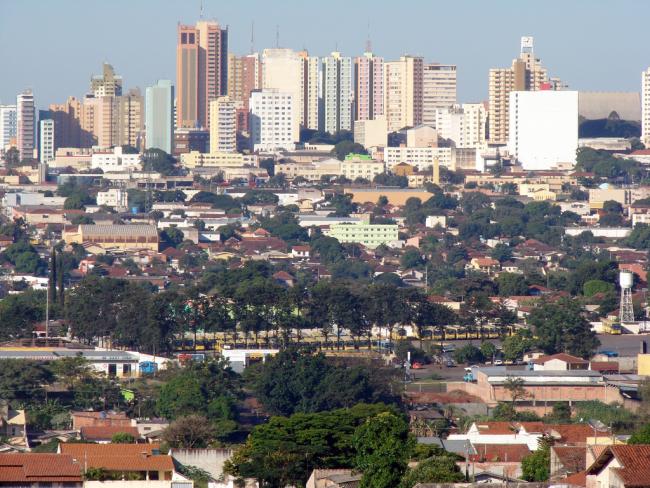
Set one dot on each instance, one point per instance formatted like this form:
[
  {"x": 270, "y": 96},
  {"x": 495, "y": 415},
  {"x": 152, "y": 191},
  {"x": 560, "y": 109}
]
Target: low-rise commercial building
[
  {"x": 361, "y": 166},
  {"x": 137, "y": 236},
  {"x": 370, "y": 235},
  {"x": 420, "y": 157},
  {"x": 195, "y": 159},
  {"x": 116, "y": 160}
]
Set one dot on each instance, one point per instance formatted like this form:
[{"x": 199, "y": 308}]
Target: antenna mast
[
  {"x": 368, "y": 41},
  {"x": 252, "y": 37},
  {"x": 201, "y": 12},
  {"x": 277, "y": 35}
]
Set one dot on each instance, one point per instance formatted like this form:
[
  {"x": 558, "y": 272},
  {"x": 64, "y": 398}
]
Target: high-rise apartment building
[
  {"x": 108, "y": 84},
  {"x": 223, "y": 125},
  {"x": 159, "y": 116},
  {"x": 25, "y": 124},
  {"x": 282, "y": 70},
  {"x": 438, "y": 90},
  {"x": 46, "y": 147},
  {"x": 244, "y": 76},
  {"x": 543, "y": 128},
  {"x": 67, "y": 124},
  {"x": 130, "y": 118},
  {"x": 8, "y": 125},
  {"x": 403, "y": 81},
  {"x": 337, "y": 93},
  {"x": 310, "y": 90},
  {"x": 463, "y": 124},
  {"x": 272, "y": 121},
  {"x": 201, "y": 71},
  {"x": 645, "y": 107},
  {"x": 525, "y": 74},
  {"x": 368, "y": 87},
  {"x": 100, "y": 120}
]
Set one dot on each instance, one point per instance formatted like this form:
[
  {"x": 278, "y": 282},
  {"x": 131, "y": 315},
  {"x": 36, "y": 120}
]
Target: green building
[{"x": 370, "y": 235}]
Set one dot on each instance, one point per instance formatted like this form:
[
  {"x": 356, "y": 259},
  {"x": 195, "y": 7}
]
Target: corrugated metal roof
[{"x": 118, "y": 230}]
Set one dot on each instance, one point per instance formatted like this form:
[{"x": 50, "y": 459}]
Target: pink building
[{"x": 368, "y": 86}]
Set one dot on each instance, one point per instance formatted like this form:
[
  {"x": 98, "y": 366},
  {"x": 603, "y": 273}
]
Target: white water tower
[{"x": 626, "y": 281}]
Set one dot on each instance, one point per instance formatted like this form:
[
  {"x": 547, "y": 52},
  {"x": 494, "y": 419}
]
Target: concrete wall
[{"x": 210, "y": 460}]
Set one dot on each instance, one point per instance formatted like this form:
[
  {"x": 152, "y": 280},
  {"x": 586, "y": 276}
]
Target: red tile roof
[
  {"x": 120, "y": 457},
  {"x": 38, "y": 468},
  {"x": 567, "y": 358},
  {"x": 512, "y": 453},
  {"x": 576, "y": 479},
  {"x": 106, "y": 432},
  {"x": 634, "y": 463}
]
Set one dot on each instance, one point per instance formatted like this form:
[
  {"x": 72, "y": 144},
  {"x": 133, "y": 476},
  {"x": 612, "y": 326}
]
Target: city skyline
[{"x": 573, "y": 46}]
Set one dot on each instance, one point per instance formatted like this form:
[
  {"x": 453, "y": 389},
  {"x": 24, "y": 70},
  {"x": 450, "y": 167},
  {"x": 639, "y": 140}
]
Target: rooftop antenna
[
  {"x": 201, "y": 12},
  {"x": 252, "y": 37},
  {"x": 277, "y": 35},
  {"x": 368, "y": 41}
]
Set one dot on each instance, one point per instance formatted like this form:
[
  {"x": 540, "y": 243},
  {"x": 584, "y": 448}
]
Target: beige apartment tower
[
  {"x": 438, "y": 90},
  {"x": 525, "y": 74},
  {"x": 403, "y": 92},
  {"x": 244, "y": 76},
  {"x": 201, "y": 71},
  {"x": 223, "y": 125}
]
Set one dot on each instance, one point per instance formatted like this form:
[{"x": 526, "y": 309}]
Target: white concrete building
[
  {"x": 115, "y": 161},
  {"x": 272, "y": 116},
  {"x": 645, "y": 107},
  {"x": 543, "y": 128},
  {"x": 8, "y": 124},
  {"x": 421, "y": 157},
  {"x": 438, "y": 90},
  {"x": 464, "y": 124},
  {"x": 282, "y": 70},
  {"x": 337, "y": 93},
  {"x": 113, "y": 197},
  {"x": 46, "y": 141},
  {"x": 223, "y": 125},
  {"x": 371, "y": 133},
  {"x": 361, "y": 167}
]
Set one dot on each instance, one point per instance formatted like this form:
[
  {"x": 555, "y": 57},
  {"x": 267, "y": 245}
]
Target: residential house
[
  {"x": 142, "y": 462},
  {"x": 560, "y": 362},
  {"x": 99, "y": 419},
  {"x": 333, "y": 478},
  {"x": 13, "y": 425},
  {"x": 105, "y": 434},
  {"x": 621, "y": 466},
  {"x": 32, "y": 470}
]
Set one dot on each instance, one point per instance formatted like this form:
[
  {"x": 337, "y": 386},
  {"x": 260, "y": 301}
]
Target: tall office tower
[
  {"x": 46, "y": 146},
  {"x": 129, "y": 112},
  {"x": 67, "y": 124},
  {"x": 223, "y": 125},
  {"x": 25, "y": 124},
  {"x": 272, "y": 120},
  {"x": 337, "y": 93},
  {"x": 7, "y": 125},
  {"x": 403, "y": 81},
  {"x": 159, "y": 116},
  {"x": 108, "y": 84},
  {"x": 438, "y": 90},
  {"x": 464, "y": 124},
  {"x": 525, "y": 74},
  {"x": 244, "y": 76},
  {"x": 368, "y": 87},
  {"x": 201, "y": 71},
  {"x": 310, "y": 90},
  {"x": 282, "y": 70},
  {"x": 645, "y": 107}
]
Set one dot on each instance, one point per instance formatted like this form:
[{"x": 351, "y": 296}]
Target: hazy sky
[{"x": 53, "y": 46}]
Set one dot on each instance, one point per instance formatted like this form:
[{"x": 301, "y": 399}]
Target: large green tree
[
  {"x": 285, "y": 450},
  {"x": 383, "y": 446},
  {"x": 561, "y": 327}
]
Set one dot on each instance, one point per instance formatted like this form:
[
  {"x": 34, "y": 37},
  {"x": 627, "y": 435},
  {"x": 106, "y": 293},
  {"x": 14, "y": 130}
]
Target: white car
[{"x": 498, "y": 362}]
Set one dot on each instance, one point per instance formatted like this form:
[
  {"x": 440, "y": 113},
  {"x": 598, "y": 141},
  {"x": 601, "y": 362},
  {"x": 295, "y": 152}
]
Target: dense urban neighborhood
[{"x": 284, "y": 270}]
